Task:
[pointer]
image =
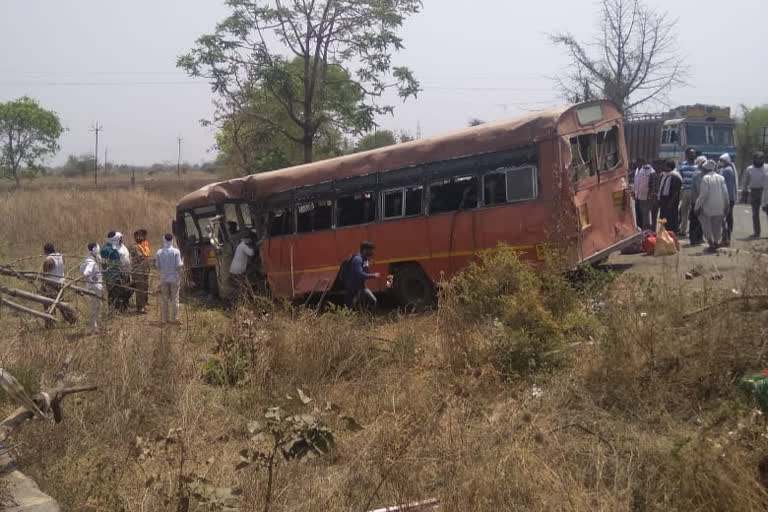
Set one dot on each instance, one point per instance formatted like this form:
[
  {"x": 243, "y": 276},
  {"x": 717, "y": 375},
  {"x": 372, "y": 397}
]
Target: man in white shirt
[
  {"x": 712, "y": 205},
  {"x": 755, "y": 184},
  {"x": 168, "y": 260},
  {"x": 237, "y": 269},
  {"x": 91, "y": 271}
]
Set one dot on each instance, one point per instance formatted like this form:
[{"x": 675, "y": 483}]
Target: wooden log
[
  {"x": 64, "y": 307},
  {"x": 26, "y": 310},
  {"x": 35, "y": 276}
]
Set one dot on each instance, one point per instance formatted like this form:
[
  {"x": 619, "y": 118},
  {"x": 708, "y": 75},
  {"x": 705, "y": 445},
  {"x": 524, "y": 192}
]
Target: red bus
[{"x": 558, "y": 176}]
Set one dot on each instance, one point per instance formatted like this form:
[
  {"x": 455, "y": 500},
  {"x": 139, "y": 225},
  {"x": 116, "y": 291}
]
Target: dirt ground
[{"x": 731, "y": 262}]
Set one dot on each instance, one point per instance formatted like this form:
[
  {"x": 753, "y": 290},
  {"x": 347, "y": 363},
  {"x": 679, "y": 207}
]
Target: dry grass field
[{"x": 519, "y": 393}]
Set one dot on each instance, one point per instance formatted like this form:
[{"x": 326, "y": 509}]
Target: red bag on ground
[{"x": 649, "y": 244}]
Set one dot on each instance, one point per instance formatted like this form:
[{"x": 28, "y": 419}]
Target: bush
[{"x": 500, "y": 309}]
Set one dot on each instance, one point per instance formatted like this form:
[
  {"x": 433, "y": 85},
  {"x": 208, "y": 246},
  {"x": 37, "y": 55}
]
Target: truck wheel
[
  {"x": 412, "y": 288},
  {"x": 212, "y": 283}
]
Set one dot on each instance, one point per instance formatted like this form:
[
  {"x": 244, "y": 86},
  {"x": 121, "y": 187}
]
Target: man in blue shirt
[
  {"x": 355, "y": 276},
  {"x": 687, "y": 169}
]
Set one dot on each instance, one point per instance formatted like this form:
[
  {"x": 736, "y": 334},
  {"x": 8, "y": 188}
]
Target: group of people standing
[
  {"x": 125, "y": 272},
  {"x": 697, "y": 200}
]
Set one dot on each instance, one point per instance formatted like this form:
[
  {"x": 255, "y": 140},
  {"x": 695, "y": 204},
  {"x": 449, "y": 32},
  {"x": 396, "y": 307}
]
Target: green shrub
[{"x": 501, "y": 308}]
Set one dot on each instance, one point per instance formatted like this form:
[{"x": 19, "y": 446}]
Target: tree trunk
[
  {"x": 307, "y": 151},
  {"x": 15, "y": 172}
]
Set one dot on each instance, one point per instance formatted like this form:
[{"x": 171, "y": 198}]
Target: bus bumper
[{"x": 603, "y": 255}]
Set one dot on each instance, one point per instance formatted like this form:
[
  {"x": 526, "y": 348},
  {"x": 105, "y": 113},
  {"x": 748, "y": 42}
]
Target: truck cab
[{"x": 708, "y": 129}]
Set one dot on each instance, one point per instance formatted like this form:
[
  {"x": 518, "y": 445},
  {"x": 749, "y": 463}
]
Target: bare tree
[{"x": 635, "y": 58}]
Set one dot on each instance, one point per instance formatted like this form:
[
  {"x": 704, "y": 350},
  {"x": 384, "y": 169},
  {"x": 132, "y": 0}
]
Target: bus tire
[
  {"x": 412, "y": 288},
  {"x": 212, "y": 283}
]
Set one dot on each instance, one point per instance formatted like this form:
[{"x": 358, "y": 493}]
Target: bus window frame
[
  {"x": 505, "y": 171},
  {"x": 461, "y": 176},
  {"x": 403, "y": 190},
  {"x": 335, "y": 213}
]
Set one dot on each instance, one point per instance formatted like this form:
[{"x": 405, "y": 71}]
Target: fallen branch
[
  {"x": 26, "y": 310},
  {"x": 69, "y": 313},
  {"x": 22, "y": 489},
  {"x": 36, "y": 276},
  {"x": 722, "y": 303}
]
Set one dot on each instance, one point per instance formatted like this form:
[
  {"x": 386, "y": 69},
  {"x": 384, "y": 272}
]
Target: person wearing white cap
[
  {"x": 726, "y": 170},
  {"x": 712, "y": 205},
  {"x": 91, "y": 273}
]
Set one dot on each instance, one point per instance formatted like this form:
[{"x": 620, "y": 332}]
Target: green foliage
[
  {"x": 78, "y": 165},
  {"x": 377, "y": 139},
  {"x": 225, "y": 371},
  {"x": 28, "y": 133},
  {"x": 249, "y": 141},
  {"x": 245, "y": 62},
  {"x": 749, "y": 132},
  {"x": 501, "y": 309}
]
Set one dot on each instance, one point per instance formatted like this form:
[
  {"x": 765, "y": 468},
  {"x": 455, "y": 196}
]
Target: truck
[{"x": 707, "y": 128}]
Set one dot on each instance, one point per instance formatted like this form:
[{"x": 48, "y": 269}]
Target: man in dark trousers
[
  {"x": 669, "y": 195},
  {"x": 355, "y": 276}
]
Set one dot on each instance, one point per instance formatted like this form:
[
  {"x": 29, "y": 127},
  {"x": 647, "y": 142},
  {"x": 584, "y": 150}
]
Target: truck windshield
[
  {"x": 696, "y": 135},
  {"x": 722, "y": 136}
]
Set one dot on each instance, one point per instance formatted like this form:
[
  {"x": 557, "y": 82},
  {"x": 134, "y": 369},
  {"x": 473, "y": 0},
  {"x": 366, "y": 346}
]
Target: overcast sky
[{"x": 115, "y": 62}]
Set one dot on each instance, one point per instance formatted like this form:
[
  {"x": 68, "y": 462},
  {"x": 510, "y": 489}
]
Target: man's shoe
[{"x": 753, "y": 236}]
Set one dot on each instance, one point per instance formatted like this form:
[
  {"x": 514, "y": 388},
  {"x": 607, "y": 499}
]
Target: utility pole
[
  {"x": 96, "y": 129},
  {"x": 178, "y": 161},
  {"x": 105, "y": 160}
]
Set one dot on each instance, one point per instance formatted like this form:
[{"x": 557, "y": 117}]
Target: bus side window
[
  {"x": 522, "y": 184},
  {"x": 403, "y": 202},
  {"x": 355, "y": 209},
  {"x": 281, "y": 222},
  {"x": 495, "y": 188},
  {"x": 314, "y": 216},
  {"x": 453, "y": 194},
  {"x": 413, "y": 198}
]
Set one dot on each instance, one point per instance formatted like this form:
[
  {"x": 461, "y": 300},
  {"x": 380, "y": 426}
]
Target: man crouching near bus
[{"x": 356, "y": 294}]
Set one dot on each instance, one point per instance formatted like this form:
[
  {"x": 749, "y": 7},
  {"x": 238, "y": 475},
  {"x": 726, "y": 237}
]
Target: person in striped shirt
[{"x": 687, "y": 169}]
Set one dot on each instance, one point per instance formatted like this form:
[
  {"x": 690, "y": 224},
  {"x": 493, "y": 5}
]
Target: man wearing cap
[
  {"x": 687, "y": 170},
  {"x": 754, "y": 183},
  {"x": 726, "y": 170},
  {"x": 356, "y": 293},
  {"x": 711, "y": 204},
  {"x": 140, "y": 266}
]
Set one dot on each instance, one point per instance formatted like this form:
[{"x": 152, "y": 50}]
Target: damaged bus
[{"x": 556, "y": 177}]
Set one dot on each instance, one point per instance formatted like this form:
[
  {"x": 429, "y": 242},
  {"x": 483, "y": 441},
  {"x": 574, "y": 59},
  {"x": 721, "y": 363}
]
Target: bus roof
[{"x": 487, "y": 137}]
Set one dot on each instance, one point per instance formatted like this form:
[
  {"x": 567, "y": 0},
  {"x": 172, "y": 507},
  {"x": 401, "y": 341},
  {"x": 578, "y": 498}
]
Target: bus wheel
[
  {"x": 412, "y": 288},
  {"x": 212, "y": 283}
]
